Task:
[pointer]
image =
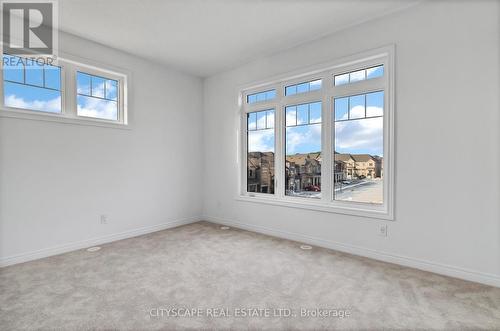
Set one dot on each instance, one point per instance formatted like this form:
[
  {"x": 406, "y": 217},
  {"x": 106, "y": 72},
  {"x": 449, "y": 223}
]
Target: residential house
[
  {"x": 260, "y": 176},
  {"x": 303, "y": 171},
  {"x": 350, "y": 166}
]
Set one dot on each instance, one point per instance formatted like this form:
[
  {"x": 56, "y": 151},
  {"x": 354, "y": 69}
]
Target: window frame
[
  {"x": 69, "y": 65},
  {"x": 327, "y": 94}
]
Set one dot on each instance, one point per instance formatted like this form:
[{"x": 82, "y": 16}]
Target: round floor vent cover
[
  {"x": 305, "y": 247},
  {"x": 224, "y": 227},
  {"x": 93, "y": 249}
]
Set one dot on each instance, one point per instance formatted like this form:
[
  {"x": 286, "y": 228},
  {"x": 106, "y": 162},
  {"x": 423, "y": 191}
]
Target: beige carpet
[{"x": 199, "y": 266}]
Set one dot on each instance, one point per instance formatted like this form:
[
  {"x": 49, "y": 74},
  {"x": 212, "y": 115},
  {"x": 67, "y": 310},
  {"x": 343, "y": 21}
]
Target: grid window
[
  {"x": 303, "y": 150},
  {"x": 31, "y": 85},
  {"x": 260, "y": 151},
  {"x": 97, "y": 97},
  {"x": 313, "y": 85},
  {"x": 347, "y": 130},
  {"x": 359, "y": 106},
  {"x": 359, "y": 75},
  {"x": 359, "y": 148},
  {"x": 261, "y": 96}
]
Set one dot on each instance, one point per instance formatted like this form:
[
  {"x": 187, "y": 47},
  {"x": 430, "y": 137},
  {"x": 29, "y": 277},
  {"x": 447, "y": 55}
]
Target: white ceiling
[{"x": 205, "y": 37}]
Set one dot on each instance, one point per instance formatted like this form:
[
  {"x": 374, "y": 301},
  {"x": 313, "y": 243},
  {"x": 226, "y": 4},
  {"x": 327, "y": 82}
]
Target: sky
[
  {"x": 356, "y": 136},
  {"x": 48, "y": 99}
]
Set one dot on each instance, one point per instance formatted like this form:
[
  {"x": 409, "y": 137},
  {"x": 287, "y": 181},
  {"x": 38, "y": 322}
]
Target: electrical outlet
[
  {"x": 382, "y": 231},
  {"x": 103, "y": 219}
]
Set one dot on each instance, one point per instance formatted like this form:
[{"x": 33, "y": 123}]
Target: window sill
[
  {"x": 59, "y": 118},
  {"x": 359, "y": 210}
]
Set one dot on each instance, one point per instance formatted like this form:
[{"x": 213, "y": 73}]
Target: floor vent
[
  {"x": 305, "y": 247},
  {"x": 93, "y": 249},
  {"x": 224, "y": 227}
]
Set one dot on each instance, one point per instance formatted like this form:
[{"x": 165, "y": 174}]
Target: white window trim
[
  {"x": 70, "y": 64},
  {"x": 383, "y": 55}
]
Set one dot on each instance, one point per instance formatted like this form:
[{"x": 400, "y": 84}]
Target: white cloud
[
  {"x": 308, "y": 137},
  {"x": 98, "y": 90},
  {"x": 52, "y": 106},
  {"x": 261, "y": 141},
  {"x": 92, "y": 107},
  {"x": 365, "y": 134}
]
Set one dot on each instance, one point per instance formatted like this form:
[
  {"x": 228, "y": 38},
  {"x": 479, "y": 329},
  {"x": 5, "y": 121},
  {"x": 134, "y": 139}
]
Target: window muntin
[
  {"x": 261, "y": 96},
  {"x": 97, "y": 96},
  {"x": 305, "y": 87},
  {"x": 359, "y": 106},
  {"x": 359, "y": 75},
  {"x": 260, "y": 151},
  {"x": 303, "y": 150},
  {"x": 361, "y": 109},
  {"x": 358, "y": 153},
  {"x": 30, "y": 85}
]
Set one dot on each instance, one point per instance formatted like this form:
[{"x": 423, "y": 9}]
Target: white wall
[
  {"x": 447, "y": 142},
  {"x": 56, "y": 179}
]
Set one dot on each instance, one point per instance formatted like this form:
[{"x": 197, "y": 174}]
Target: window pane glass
[
  {"x": 97, "y": 97},
  {"x": 252, "y": 98},
  {"x": 98, "y": 87},
  {"x": 13, "y": 69},
  {"x": 341, "y": 108},
  {"x": 97, "y": 108},
  {"x": 291, "y": 115},
  {"x": 302, "y": 114},
  {"x": 315, "y": 112},
  {"x": 375, "y": 104},
  {"x": 260, "y": 157},
  {"x": 34, "y": 74},
  {"x": 358, "y": 160},
  {"x": 53, "y": 77},
  {"x": 82, "y": 83},
  {"x": 315, "y": 85},
  {"x": 304, "y": 87},
  {"x": 291, "y": 90},
  {"x": 252, "y": 121},
  {"x": 111, "y": 89},
  {"x": 341, "y": 79},
  {"x": 303, "y": 157},
  {"x": 270, "y": 119},
  {"x": 357, "y": 106},
  {"x": 270, "y": 95},
  {"x": 356, "y": 76},
  {"x": 33, "y": 98},
  {"x": 261, "y": 120},
  {"x": 375, "y": 72}
]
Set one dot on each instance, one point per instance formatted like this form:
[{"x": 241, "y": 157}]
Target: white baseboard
[
  {"x": 442, "y": 269},
  {"x": 60, "y": 249}
]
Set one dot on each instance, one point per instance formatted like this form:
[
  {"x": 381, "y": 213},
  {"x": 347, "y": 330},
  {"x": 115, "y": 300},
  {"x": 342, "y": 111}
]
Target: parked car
[{"x": 313, "y": 188}]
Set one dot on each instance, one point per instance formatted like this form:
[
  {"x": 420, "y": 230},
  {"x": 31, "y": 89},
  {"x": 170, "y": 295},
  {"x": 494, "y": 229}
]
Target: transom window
[
  {"x": 327, "y": 148},
  {"x": 303, "y": 87},
  {"x": 261, "y": 96},
  {"x": 359, "y": 75},
  {"x": 97, "y": 96},
  {"x": 62, "y": 90},
  {"x": 31, "y": 85}
]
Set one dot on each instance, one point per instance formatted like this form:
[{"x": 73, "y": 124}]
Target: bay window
[{"x": 323, "y": 140}]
